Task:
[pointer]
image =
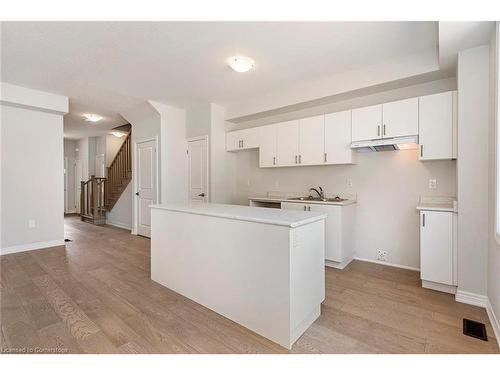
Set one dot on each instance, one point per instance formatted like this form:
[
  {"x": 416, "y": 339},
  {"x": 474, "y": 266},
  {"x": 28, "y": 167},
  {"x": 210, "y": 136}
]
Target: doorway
[{"x": 198, "y": 169}]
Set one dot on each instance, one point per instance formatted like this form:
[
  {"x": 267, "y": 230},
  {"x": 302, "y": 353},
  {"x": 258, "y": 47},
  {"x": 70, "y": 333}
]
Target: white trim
[
  {"x": 135, "y": 174},
  {"x": 31, "y": 246},
  {"x": 452, "y": 289},
  {"x": 388, "y": 264},
  {"x": 119, "y": 225},
  {"x": 493, "y": 321},
  {"x": 338, "y": 265},
  {"x": 471, "y": 298},
  {"x": 200, "y": 138}
]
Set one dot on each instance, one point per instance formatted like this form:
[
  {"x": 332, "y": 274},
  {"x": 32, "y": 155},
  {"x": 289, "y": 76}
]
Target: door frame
[
  {"x": 207, "y": 154},
  {"x": 134, "y": 178}
]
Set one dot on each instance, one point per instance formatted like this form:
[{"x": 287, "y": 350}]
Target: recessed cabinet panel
[
  {"x": 233, "y": 141},
  {"x": 436, "y": 126},
  {"x": 287, "y": 145},
  {"x": 267, "y": 141},
  {"x": 242, "y": 139},
  {"x": 436, "y": 247},
  {"x": 338, "y": 139},
  {"x": 367, "y": 123},
  {"x": 311, "y": 140},
  {"x": 400, "y": 118}
]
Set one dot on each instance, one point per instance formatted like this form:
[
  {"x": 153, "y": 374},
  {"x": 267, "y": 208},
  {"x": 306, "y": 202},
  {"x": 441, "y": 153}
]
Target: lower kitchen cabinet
[
  {"x": 438, "y": 250},
  {"x": 339, "y": 230}
]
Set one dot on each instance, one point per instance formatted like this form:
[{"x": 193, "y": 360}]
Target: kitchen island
[{"x": 260, "y": 267}]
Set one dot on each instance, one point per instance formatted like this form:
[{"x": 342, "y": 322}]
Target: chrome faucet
[{"x": 320, "y": 193}]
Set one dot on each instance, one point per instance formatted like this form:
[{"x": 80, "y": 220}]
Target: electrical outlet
[
  {"x": 382, "y": 255},
  {"x": 31, "y": 223},
  {"x": 432, "y": 183}
]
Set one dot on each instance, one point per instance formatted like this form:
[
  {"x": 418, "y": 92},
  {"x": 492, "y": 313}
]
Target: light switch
[
  {"x": 432, "y": 183},
  {"x": 31, "y": 223}
]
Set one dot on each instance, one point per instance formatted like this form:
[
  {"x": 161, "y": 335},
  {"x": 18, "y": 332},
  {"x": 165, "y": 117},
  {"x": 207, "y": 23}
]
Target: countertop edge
[
  {"x": 240, "y": 218},
  {"x": 264, "y": 199}
]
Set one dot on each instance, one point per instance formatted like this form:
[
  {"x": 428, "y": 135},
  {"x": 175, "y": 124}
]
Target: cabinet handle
[
  {"x": 239, "y": 143},
  {"x": 423, "y": 220},
  {"x": 326, "y": 157},
  {"x": 378, "y": 130},
  {"x": 274, "y": 160},
  {"x": 242, "y": 143},
  {"x": 295, "y": 159},
  {"x": 384, "y": 130},
  {"x": 300, "y": 159},
  {"x": 304, "y": 208},
  {"x": 421, "y": 151},
  {"x": 308, "y": 208}
]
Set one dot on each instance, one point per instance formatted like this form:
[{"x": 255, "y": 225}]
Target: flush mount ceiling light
[
  {"x": 240, "y": 63},
  {"x": 118, "y": 134},
  {"x": 91, "y": 117}
]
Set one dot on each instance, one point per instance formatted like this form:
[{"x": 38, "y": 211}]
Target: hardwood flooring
[{"x": 95, "y": 296}]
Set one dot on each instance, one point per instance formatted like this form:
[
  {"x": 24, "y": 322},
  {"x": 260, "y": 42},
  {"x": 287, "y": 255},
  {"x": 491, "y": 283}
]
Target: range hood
[{"x": 387, "y": 144}]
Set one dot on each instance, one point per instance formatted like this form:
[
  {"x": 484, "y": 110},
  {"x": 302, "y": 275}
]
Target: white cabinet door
[
  {"x": 436, "y": 246},
  {"x": 367, "y": 123},
  {"x": 287, "y": 143},
  {"x": 311, "y": 140},
  {"x": 294, "y": 206},
  {"x": 233, "y": 141},
  {"x": 242, "y": 139},
  {"x": 435, "y": 129},
  {"x": 267, "y": 141},
  {"x": 249, "y": 138},
  {"x": 333, "y": 230},
  {"x": 338, "y": 138},
  {"x": 400, "y": 118}
]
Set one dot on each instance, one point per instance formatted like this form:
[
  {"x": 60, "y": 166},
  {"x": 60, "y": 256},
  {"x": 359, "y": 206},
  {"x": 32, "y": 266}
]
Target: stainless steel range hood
[{"x": 387, "y": 144}]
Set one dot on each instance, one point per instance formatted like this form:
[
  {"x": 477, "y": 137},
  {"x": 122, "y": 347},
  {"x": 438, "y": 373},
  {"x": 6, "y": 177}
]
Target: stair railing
[
  {"x": 120, "y": 168},
  {"x": 93, "y": 200}
]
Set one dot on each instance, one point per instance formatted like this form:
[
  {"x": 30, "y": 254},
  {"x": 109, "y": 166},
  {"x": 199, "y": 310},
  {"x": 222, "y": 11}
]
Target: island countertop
[{"x": 263, "y": 215}]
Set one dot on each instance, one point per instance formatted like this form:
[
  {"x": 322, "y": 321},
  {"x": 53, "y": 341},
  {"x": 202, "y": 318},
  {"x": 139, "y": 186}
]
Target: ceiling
[{"x": 108, "y": 67}]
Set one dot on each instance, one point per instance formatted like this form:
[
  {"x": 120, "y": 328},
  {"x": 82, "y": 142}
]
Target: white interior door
[
  {"x": 198, "y": 170},
  {"x": 78, "y": 178},
  {"x": 146, "y": 185}
]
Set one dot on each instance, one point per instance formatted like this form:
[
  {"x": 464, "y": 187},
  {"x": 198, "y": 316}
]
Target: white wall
[
  {"x": 113, "y": 144},
  {"x": 472, "y": 169},
  {"x": 32, "y": 179},
  {"x": 388, "y": 184},
  {"x": 70, "y": 155},
  {"x": 121, "y": 214},
  {"x": 174, "y": 176},
  {"x": 494, "y": 247},
  {"x": 83, "y": 156}
]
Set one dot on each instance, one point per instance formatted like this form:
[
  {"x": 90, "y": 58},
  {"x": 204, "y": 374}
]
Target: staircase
[{"x": 100, "y": 194}]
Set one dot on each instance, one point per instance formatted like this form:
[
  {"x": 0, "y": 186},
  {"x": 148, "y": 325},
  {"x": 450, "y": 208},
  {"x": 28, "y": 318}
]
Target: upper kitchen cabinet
[
  {"x": 437, "y": 126},
  {"x": 338, "y": 139},
  {"x": 311, "y": 140},
  {"x": 367, "y": 123},
  {"x": 267, "y": 143},
  {"x": 287, "y": 143},
  {"x": 242, "y": 139},
  {"x": 400, "y": 118}
]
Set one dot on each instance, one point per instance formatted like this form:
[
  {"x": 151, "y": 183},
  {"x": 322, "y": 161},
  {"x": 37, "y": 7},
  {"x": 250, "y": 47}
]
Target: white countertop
[
  {"x": 272, "y": 216},
  {"x": 267, "y": 199},
  {"x": 445, "y": 204}
]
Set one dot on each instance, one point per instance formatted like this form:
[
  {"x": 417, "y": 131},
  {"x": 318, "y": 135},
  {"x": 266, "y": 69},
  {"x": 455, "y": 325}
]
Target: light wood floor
[{"x": 95, "y": 296}]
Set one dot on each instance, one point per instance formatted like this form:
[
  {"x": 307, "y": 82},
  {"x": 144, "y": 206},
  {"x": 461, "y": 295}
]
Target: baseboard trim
[
  {"x": 119, "y": 225},
  {"x": 471, "y": 298},
  {"x": 338, "y": 265},
  {"x": 388, "y": 264},
  {"x": 70, "y": 212},
  {"x": 31, "y": 246},
  {"x": 493, "y": 321}
]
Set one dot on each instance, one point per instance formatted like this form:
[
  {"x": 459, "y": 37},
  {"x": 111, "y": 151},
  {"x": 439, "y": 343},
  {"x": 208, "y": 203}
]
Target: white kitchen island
[{"x": 260, "y": 267}]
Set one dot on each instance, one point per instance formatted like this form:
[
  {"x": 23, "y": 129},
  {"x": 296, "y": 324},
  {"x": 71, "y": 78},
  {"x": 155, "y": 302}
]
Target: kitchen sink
[{"x": 318, "y": 199}]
